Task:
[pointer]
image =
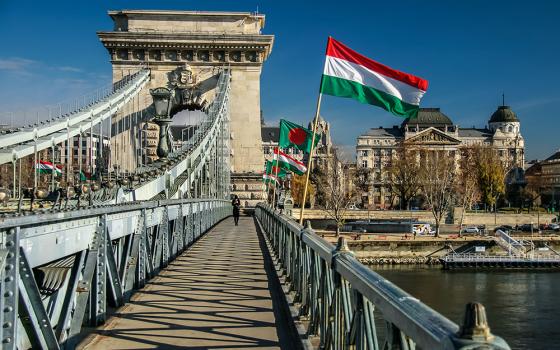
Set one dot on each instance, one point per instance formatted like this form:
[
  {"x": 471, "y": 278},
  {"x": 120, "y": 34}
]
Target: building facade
[
  {"x": 434, "y": 131},
  {"x": 546, "y": 174}
]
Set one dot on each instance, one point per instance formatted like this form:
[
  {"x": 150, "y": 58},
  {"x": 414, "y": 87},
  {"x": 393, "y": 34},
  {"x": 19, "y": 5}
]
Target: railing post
[
  {"x": 10, "y": 290},
  {"x": 164, "y": 235},
  {"x": 475, "y": 331},
  {"x": 180, "y": 230},
  {"x": 190, "y": 223},
  {"x": 98, "y": 300}
]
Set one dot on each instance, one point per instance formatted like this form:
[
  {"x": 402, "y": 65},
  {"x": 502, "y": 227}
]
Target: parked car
[
  {"x": 352, "y": 207},
  {"x": 471, "y": 229},
  {"x": 528, "y": 228},
  {"x": 506, "y": 228},
  {"x": 554, "y": 227}
]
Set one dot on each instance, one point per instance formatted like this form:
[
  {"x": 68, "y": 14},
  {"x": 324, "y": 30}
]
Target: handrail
[{"x": 337, "y": 295}]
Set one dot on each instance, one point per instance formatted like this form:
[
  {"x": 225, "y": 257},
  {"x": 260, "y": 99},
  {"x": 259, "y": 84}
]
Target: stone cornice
[
  {"x": 182, "y": 14},
  {"x": 134, "y": 64},
  {"x": 186, "y": 41}
]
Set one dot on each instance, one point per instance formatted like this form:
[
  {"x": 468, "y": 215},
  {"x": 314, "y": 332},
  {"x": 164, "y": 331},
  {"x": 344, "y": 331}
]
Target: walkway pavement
[{"x": 216, "y": 295}]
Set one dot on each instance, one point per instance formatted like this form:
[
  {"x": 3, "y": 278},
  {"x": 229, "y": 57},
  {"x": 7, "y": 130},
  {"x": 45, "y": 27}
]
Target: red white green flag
[
  {"x": 44, "y": 167},
  {"x": 293, "y": 135},
  {"x": 352, "y": 75},
  {"x": 289, "y": 163},
  {"x": 268, "y": 178}
]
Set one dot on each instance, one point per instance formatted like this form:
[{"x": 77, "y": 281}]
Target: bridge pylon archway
[{"x": 205, "y": 41}]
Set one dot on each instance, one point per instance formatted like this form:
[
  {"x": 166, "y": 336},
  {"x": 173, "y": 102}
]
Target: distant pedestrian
[{"x": 236, "y": 203}]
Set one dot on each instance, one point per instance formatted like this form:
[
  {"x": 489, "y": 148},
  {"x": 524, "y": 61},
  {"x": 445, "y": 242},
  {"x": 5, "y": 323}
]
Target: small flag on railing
[{"x": 44, "y": 167}]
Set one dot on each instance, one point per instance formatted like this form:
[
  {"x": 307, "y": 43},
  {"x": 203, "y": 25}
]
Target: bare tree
[
  {"x": 467, "y": 183},
  {"x": 330, "y": 180},
  {"x": 437, "y": 181},
  {"x": 403, "y": 177},
  {"x": 362, "y": 180},
  {"x": 532, "y": 191}
]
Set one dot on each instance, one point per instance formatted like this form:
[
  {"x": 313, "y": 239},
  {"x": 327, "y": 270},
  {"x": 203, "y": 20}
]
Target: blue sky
[{"x": 471, "y": 52}]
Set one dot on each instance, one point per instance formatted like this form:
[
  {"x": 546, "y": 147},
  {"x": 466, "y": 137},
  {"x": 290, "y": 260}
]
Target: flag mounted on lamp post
[
  {"x": 293, "y": 135},
  {"x": 284, "y": 161},
  {"x": 273, "y": 169},
  {"x": 270, "y": 178}
]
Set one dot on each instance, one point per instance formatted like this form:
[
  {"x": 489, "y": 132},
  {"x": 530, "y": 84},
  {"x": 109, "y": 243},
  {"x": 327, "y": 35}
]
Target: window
[
  {"x": 364, "y": 153},
  {"x": 364, "y": 163}
]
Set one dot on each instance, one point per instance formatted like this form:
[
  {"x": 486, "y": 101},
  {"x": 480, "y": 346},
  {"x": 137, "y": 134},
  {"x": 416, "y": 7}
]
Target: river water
[{"x": 523, "y": 306}]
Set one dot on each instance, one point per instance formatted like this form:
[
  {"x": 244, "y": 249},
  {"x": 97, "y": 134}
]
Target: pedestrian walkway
[{"x": 217, "y": 294}]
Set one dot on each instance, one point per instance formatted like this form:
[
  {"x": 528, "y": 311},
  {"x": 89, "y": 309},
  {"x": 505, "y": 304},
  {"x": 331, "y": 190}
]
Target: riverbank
[
  {"x": 400, "y": 249},
  {"x": 491, "y": 220}
]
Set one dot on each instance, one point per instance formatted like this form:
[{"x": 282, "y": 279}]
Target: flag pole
[
  {"x": 267, "y": 186},
  {"x": 275, "y": 167},
  {"x": 309, "y": 161}
]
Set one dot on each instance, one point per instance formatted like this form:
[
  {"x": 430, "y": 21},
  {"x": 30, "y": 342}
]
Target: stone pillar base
[{"x": 249, "y": 188}]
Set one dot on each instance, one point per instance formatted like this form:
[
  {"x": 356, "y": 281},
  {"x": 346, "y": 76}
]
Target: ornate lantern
[{"x": 162, "y": 103}]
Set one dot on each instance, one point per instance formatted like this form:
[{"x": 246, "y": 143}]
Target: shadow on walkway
[{"x": 215, "y": 295}]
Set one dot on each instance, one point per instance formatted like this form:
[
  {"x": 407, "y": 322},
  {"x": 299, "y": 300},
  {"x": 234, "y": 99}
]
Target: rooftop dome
[
  {"x": 503, "y": 114},
  {"x": 429, "y": 117}
]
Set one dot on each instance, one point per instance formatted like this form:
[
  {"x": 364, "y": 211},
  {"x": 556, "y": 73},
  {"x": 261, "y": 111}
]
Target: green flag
[{"x": 296, "y": 136}]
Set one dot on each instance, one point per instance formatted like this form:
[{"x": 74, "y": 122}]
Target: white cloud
[
  {"x": 69, "y": 69},
  {"x": 15, "y": 63}
]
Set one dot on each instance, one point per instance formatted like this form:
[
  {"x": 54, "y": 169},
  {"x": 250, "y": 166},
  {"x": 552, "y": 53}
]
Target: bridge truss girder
[{"x": 61, "y": 271}]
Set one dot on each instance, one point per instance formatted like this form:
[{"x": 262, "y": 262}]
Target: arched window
[{"x": 510, "y": 128}]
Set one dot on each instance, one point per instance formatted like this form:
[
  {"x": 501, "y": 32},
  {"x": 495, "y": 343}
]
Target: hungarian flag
[
  {"x": 296, "y": 136},
  {"x": 267, "y": 178},
  {"x": 352, "y": 75},
  {"x": 289, "y": 163},
  {"x": 272, "y": 169},
  {"x": 45, "y": 167}
]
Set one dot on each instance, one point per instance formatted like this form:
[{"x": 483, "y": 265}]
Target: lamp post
[
  {"x": 162, "y": 103},
  {"x": 188, "y": 128},
  {"x": 143, "y": 144}
]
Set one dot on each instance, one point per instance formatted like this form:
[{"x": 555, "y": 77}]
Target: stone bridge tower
[{"x": 166, "y": 40}]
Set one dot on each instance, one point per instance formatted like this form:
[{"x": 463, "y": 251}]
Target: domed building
[{"x": 433, "y": 130}]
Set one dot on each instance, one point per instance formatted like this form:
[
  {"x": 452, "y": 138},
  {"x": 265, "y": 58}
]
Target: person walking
[{"x": 236, "y": 203}]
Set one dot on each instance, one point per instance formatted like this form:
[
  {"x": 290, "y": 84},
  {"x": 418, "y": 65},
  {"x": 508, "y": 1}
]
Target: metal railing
[
  {"x": 344, "y": 304},
  {"x": 473, "y": 257},
  {"x": 62, "y": 270}
]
